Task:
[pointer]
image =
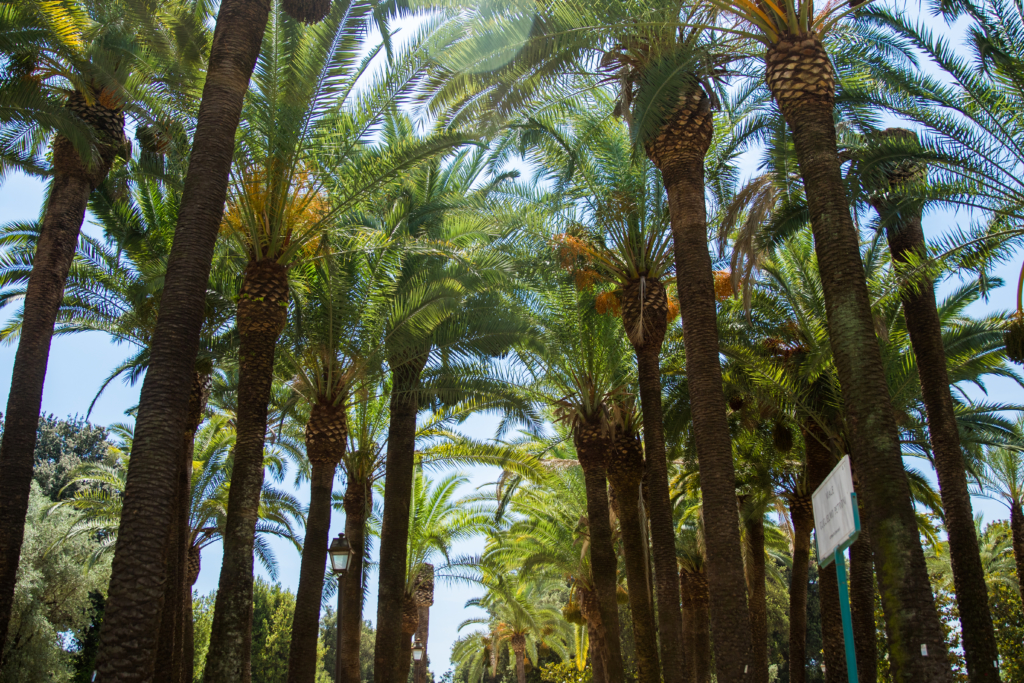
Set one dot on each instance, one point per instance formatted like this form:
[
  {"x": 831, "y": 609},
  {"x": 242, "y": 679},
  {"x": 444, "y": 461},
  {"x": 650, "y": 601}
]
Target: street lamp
[
  {"x": 417, "y": 649},
  {"x": 340, "y": 553}
]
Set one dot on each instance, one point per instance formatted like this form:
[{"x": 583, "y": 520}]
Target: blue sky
[{"x": 78, "y": 365}]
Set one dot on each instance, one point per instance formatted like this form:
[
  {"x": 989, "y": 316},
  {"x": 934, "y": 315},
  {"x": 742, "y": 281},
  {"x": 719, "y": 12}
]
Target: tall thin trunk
[
  {"x": 802, "y": 516},
  {"x": 410, "y": 622},
  {"x": 679, "y": 152},
  {"x": 398, "y": 476},
  {"x": 72, "y": 183},
  {"x": 188, "y": 668},
  {"x": 519, "y": 648},
  {"x": 800, "y": 77},
  {"x": 131, "y": 622},
  {"x": 831, "y": 624},
  {"x": 261, "y": 318},
  {"x": 862, "y": 606},
  {"x": 1017, "y": 537},
  {"x": 689, "y": 628},
  {"x": 755, "y": 574},
  {"x": 592, "y": 447},
  {"x": 697, "y": 584},
  {"x": 645, "y": 314},
  {"x": 326, "y": 434},
  {"x": 173, "y": 651},
  {"x": 347, "y": 669},
  {"x": 903, "y": 229},
  {"x": 597, "y": 657},
  {"x": 627, "y": 465},
  {"x": 423, "y": 633}
]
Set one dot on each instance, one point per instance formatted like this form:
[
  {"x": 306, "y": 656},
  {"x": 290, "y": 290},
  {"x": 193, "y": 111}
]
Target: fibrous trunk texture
[
  {"x": 307, "y": 11},
  {"x": 519, "y": 648},
  {"x": 591, "y": 612},
  {"x": 904, "y": 231},
  {"x": 261, "y": 318},
  {"x": 72, "y": 183},
  {"x": 802, "y": 517},
  {"x": 592, "y": 447},
  {"x": 127, "y": 650},
  {"x": 831, "y": 624},
  {"x": 755, "y": 573},
  {"x": 679, "y": 152},
  {"x": 862, "y": 606},
  {"x": 326, "y": 434},
  {"x": 424, "y": 598},
  {"x": 398, "y": 475},
  {"x": 625, "y": 472},
  {"x": 1017, "y": 535},
  {"x": 698, "y": 625},
  {"x": 174, "y": 650},
  {"x": 597, "y": 657},
  {"x": 410, "y": 624},
  {"x": 645, "y": 315},
  {"x": 800, "y": 77},
  {"x": 351, "y": 619}
]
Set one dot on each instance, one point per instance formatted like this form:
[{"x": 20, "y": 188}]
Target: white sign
[{"x": 834, "y": 517}]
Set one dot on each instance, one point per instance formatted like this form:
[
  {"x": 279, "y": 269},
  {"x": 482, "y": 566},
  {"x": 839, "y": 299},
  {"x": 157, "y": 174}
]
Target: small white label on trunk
[{"x": 924, "y": 650}]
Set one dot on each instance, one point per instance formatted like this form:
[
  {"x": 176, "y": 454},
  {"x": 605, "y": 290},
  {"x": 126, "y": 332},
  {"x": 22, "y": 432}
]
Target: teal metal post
[{"x": 844, "y": 608}]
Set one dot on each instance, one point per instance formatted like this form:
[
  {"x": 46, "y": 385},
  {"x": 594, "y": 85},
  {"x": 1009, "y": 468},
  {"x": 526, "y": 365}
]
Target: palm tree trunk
[
  {"x": 55, "y": 249},
  {"x": 592, "y": 447},
  {"x": 172, "y": 649},
  {"x": 188, "y": 668},
  {"x": 906, "y": 240},
  {"x": 326, "y": 433},
  {"x": 862, "y": 606},
  {"x": 831, "y": 624},
  {"x": 410, "y": 622},
  {"x": 645, "y": 308},
  {"x": 802, "y": 517},
  {"x": 800, "y": 77},
  {"x": 423, "y": 632},
  {"x": 347, "y": 669},
  {"x": 597, "y": 655},
  {"x": 398, "y": 475},
  {"x": 626, "y": 491},
  {"x": 679, "y": 152},
  {"x": 755, "y": 574},
  {"x": 1017, "y": 536},
  {"x": 131, "y": 621},
  {"x": 519, "y": 648},
  {"x": 700, "y": 600},
  {"x": 261, "y": 318},
  {"x": 689, "y": 628}
]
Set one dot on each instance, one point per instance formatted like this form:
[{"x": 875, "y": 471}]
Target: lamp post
[
  {"x": 417, "y": 649},
  {"x": 340, "y": 553}
]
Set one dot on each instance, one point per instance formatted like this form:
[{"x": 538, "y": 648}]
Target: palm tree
[
  {"x": 1002, "y": 479},
  {"x": 75, "y": 49},
  {"x": 99, "y": 500},
  {"x": 693, "y": 581},
  {"x": 903, "y": 229},
  {"x": 520, "y": 618},
  {"x": 801, "y": 79}
]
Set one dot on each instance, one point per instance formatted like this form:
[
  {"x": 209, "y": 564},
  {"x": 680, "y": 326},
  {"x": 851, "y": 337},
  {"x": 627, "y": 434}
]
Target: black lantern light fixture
[
  {"x": 417, "y": 649},
  {"x": 340, "y": 553}
]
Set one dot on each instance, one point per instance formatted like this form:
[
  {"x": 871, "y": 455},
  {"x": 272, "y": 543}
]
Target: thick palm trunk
[
  {"x": 597, "y": 656},
  {"x": 398, "y": 475},
  {"x": 802, "y": 516},
  {"x": 679, "y": 152},
  {"x": 831, "y": 624},
  {"x": 755, "y": 574},
  {"x": 906, "y": 240},
  {"x": 698, "y": 658},
  {"x": 423, "y": 596},
  {"x": 132, "y": 617},
  {"x": 410, "y": 624},
  {"x": 519, "y": 648},
  {"x": 645, "y": 314},
  {"x": 592, "y": 448},
  {"x": 72, "y": 183},
  {"x": 351, "y": 620},
  {"x": 326, "y": 433},
  {"x": 800, "y": 77},
  {"x": 689, "y": 632},
  {"x": 173, "y": 649},
  {"x": 261, "y": 318},
  {"x": 1017, "y": 537},
  {"x": 625, "y": 473},
  {"x": 862, "y": 606}
]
